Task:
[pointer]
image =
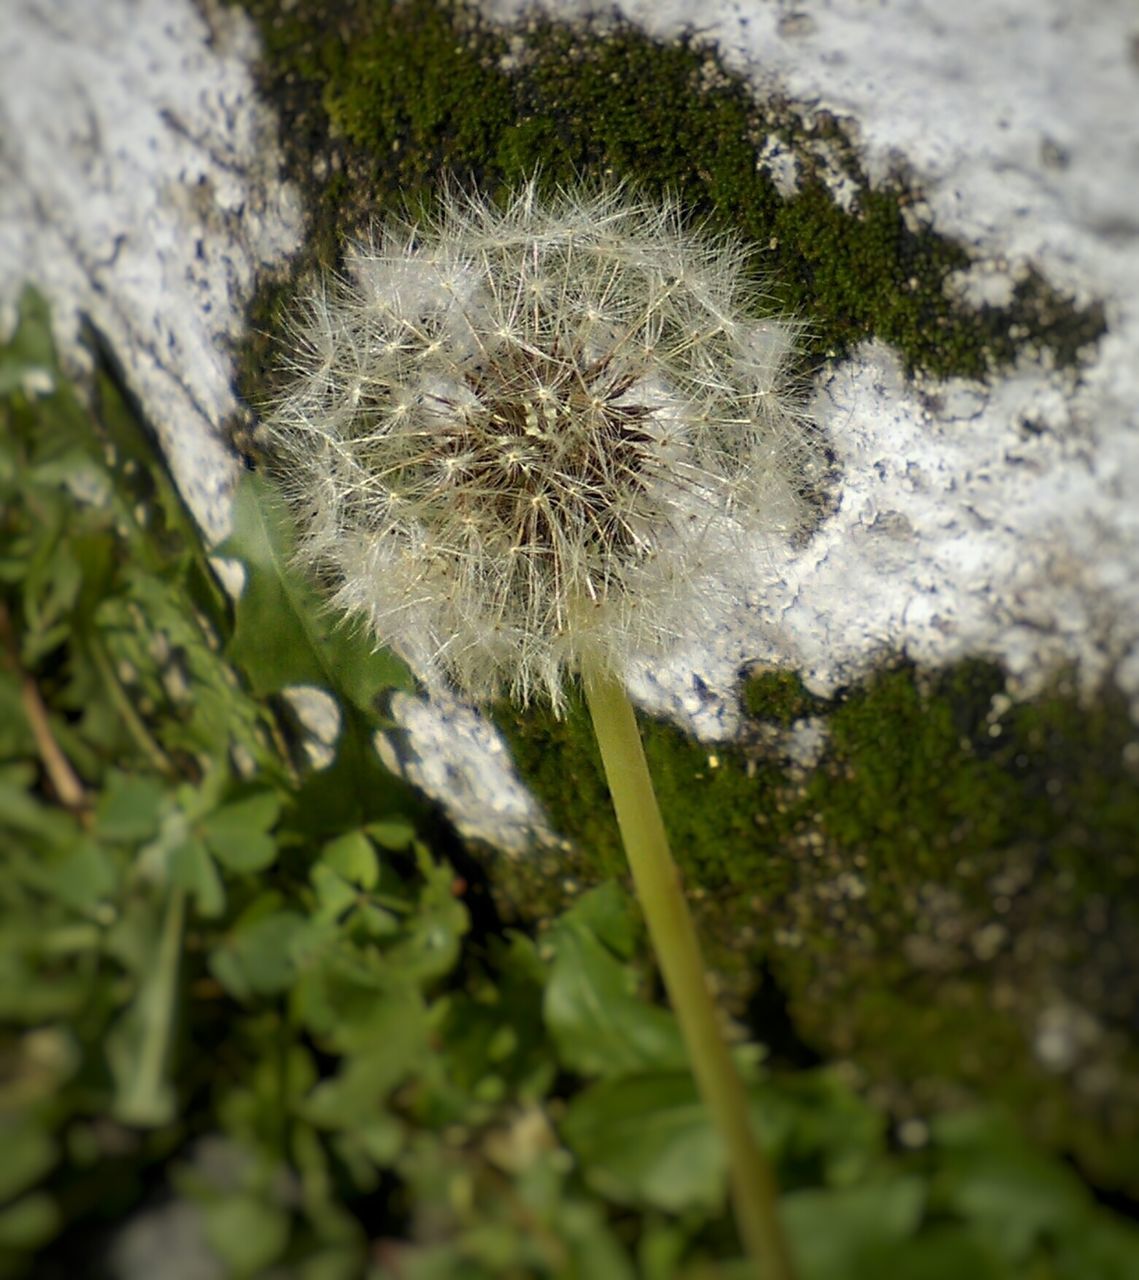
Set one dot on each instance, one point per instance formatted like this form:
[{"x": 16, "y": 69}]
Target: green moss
[
  {"x": 779, "y": 696},
  {"x": 378, "y": 100},
  {"x": 711, "y": 804},
  {"x": 912, "y": 788},
  {"x": 991, "y": 846}
]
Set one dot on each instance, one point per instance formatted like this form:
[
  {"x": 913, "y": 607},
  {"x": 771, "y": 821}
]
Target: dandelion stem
[{"x": 673, "y": 934}]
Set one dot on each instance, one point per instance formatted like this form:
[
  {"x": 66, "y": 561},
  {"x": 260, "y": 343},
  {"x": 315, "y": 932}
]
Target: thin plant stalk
[{"x": 672, "y": 932}]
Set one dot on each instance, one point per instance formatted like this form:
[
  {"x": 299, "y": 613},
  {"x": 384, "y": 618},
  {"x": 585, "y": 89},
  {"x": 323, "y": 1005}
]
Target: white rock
[{"x": 138, "y": 187}]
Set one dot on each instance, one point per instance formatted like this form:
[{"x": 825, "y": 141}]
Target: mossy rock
[
  {"x": 380, "y": 100},
  {"x": 941, "y": 899}
]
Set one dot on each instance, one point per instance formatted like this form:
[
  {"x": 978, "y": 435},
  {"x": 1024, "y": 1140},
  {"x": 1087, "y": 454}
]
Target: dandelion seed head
[{"x": 521, "y": 439}]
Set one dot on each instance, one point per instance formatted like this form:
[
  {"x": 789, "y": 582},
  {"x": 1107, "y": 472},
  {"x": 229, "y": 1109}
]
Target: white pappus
[{"x": 520, "y": 438}]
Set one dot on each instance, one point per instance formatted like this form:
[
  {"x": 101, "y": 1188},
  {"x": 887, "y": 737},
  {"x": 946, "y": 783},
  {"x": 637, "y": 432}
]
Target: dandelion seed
[{"x": 522, "y": 440}]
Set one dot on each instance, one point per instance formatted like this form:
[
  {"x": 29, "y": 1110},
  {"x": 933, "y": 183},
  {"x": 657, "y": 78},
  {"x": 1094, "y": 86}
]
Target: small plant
[{"x": 520, "y": 441}]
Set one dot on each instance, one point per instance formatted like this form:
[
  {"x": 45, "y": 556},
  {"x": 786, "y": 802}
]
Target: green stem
[
  {"x": 673, "y": 934},
  {"x": 123, "y": 705},
  {"x": 145, "y": 1098}
]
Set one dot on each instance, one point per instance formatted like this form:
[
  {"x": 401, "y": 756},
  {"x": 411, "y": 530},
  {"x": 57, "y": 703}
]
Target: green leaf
[
  {"x": 139, "y": 1046},
  {"x": 334, "y": 894},
  {"x": 353, "y": 857},
  {"x": 192, "y": 869},
  {"x": 1101, "y": 1248},
  {"x": 30, "y": 349},
  {"x": 940, "y": 1253},
  {"x": 129, "y": 807},
  {"x": 16, "y": 738},
  {"x": 142, "y": 478},
  {"x": 237, "y": 833},
  {"x": 1017, "y": 1196},
  {"x": 354, "y": 1096},
  {"x": 381, "y": 1137},
  {"x": 379, "y": 922},
  {"x": 430, "y": 944},
  {"x": 813, "y": 1120},
  {"x": 284, "y": 634},
  {"x": 85, "y": 875},
  {"x": 844, "y": 1232},
  {"x": 22, "y": 812},
  {"x": 608, "y": 913},
  {"x": 599, "y": 1024},
  {"x": 256, "y": 958},
  {"x": 51, "y": 590},
  {"x": 648, "y": 1140},
  {"x": 395, "y": 834},
  {"x": 246, "y": 1233},
  {"x": 29, "y": 1153},
  {"x": 29, "y": 1223},
  {"x": 385, "y": 1037}
]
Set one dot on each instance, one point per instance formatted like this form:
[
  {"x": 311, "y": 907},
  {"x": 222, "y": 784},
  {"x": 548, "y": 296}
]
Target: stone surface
[{"x": 139, "y": 192}]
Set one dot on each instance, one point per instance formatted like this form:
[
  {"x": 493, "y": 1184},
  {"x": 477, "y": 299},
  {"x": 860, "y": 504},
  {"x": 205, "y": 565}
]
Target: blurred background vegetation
[{"x": 260, "y": 1018}]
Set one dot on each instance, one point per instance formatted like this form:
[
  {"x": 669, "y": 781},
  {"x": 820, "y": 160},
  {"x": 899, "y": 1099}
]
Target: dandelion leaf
[{"x": 283, "y": 633}]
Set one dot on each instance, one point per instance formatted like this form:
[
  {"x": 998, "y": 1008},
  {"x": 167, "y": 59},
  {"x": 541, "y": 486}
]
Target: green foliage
[
  {"x": 599, "y": 1024},
  {"x": 955, "y": 864},
  {"x": 252, "y": 986},
  {"x": 283, "y": 635}
]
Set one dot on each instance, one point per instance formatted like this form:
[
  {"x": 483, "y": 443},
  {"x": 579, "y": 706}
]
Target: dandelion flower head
[{"x": 520, "y": 439}]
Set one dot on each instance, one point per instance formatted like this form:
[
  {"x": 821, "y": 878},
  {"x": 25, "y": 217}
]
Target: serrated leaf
[{"x": 284, "y": 633}]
